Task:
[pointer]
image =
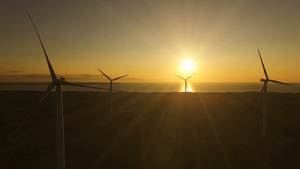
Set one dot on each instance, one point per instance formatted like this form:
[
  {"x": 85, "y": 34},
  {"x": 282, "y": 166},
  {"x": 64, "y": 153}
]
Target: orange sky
[{"x": 149, "y": 40}]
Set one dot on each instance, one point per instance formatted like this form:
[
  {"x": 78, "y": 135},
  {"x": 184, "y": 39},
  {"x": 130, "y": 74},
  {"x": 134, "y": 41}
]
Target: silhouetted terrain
[{"x": 153, "y": 131}]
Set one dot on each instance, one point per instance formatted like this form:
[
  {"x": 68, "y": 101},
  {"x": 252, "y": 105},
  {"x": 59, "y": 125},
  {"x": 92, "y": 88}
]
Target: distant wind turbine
[
  {"x": 59, "y": 104},
  {"x": 110, "y": 88},
  {"x": 185, "y": 81},
  {"x": 264, "y": 91}
]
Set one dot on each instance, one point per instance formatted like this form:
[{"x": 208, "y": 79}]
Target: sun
[{"x": 187, "y": 65}]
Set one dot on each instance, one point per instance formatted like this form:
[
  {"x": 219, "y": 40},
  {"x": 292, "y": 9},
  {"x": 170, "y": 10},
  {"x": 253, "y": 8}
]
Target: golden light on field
[{"x": 187, "y": 65}]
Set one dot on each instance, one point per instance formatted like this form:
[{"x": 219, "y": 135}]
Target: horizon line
[{"x": 2, "y": 82}]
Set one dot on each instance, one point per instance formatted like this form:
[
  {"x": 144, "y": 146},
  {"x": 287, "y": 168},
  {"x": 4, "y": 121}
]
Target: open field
[{"x": 153, "y": 131}]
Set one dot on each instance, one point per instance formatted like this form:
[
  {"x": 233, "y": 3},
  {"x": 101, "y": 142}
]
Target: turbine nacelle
[
  {"x": 58, "y": 81},
  {"x": 264, "y": 80}
]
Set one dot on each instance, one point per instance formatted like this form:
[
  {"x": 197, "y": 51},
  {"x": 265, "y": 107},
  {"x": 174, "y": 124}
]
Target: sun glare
[
  {"x": 189, "y": 89},
  {"x": 187, "y": 65}
]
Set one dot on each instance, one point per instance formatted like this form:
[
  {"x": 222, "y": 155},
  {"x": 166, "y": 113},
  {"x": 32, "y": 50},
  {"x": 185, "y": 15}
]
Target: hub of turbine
[{"x": 263, "y": 80}]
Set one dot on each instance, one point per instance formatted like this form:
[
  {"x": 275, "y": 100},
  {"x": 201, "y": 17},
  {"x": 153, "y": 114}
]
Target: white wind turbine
[
  {"x": 185, "y": 81},
  {"x": 264, "y": 91},
  {"x": 59, "y": 104},
  {"x": 110, "y": 88}
]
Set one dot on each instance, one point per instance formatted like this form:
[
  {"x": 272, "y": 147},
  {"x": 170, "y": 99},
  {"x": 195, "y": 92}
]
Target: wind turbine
[
  {"x": 185, "y": 81},
  {"x": 110, "y": 88},
  {"x": 264, "y": 91},
  {"x": 58, "y": 83}
]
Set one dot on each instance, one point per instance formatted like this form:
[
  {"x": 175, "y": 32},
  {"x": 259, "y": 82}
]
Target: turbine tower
[
  {"x": 110, "y": 88},
  {"x": 58, "y": 83},
  {"x": 185, "y": 81},
  {"x": 264, "y": 92}
]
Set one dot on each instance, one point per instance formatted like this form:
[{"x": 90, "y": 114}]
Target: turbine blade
[
  {"x": 119, "y": 77},
  {"x": 191, "y": 76},
  {"x": 104, "y": 74},
  {"x": 80, "y": 85},
  {"x": 180, "y": 77},
  {"x": 275, "y": 81},
  {"x": 264, "y": 88},
  {"x": 262, "y": 63},
  {"x": 36, "y": 104},
  {"x": 47, "y": 91},
  {"x": 53, "y": 76}
]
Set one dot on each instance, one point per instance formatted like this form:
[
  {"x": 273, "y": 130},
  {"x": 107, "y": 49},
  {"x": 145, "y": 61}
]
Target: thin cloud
[
  {"x": 71, "y": 77},
  {"x": 37, "y": 75},
  {"x": 90, "y": 75},
  {"x": 14, "y": 71}
]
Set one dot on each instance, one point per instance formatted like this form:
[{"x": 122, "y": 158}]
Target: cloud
[
  {"x": 14, "y": 71},
  {"x": 90, "y": 75},
  {"x": 37, "y": 75},
  {"x": 71, "y": 77}
]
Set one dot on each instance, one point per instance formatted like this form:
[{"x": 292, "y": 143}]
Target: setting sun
[{"x": 187, "y": 65}]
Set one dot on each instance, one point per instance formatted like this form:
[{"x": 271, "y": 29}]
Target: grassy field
[{"x": 152, "y": 131}]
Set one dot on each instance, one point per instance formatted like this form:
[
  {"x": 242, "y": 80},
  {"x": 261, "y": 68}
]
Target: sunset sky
[{"x": 150, "y": 39}]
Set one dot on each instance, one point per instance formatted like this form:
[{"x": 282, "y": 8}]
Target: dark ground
[{"x": 153, "y": 131}]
